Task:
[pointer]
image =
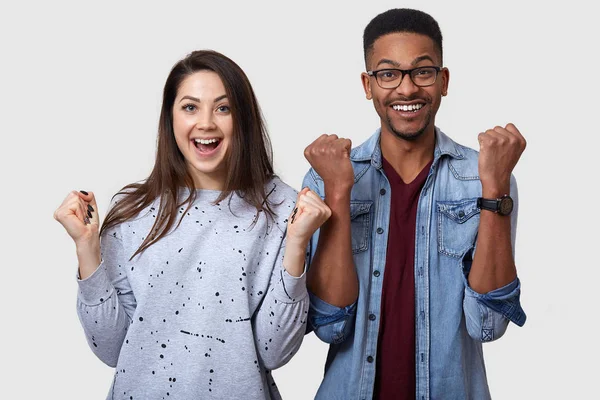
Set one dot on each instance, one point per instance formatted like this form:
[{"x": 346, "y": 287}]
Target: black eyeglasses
[{"x": 390, "y": 78}]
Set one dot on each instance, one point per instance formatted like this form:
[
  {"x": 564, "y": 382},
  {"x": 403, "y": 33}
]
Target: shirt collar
[{"x": 370, "y": 150}]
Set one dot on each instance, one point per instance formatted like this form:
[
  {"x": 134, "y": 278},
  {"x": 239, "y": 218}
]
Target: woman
[{"x": 194, "y": 287}]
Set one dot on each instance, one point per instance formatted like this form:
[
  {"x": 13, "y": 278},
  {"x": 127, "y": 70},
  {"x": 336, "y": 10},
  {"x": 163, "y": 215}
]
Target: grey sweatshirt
[{"x": 204, "y": 313}]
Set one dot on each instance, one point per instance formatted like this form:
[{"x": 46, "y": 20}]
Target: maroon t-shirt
[{"x": 395, "y": 377}]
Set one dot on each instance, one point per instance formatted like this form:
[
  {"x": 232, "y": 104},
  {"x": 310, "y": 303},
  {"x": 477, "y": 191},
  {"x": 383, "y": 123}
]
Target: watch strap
[{"x": 488, "y": 204}]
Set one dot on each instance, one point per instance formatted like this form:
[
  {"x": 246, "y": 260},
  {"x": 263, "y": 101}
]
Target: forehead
[
  {"x": 403, "y": 48},
  {"x": 201, "y": 84}
]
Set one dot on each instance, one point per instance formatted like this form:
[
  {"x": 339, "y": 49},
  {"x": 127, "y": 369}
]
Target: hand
[
  {"x": 78, "y": 214},
  {"x": 500, "y": 150},
  {"x": 329, "y": 155},
  {"x": 309, "y": 214}
]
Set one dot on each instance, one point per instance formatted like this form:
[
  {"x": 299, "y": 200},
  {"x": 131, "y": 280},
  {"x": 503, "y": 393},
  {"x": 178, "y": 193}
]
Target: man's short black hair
[{"x": 401, "y": 20}]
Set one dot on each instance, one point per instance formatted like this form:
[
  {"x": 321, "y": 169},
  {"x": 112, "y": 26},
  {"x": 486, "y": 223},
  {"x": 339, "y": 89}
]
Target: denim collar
[{"x": 370, "y": 150}]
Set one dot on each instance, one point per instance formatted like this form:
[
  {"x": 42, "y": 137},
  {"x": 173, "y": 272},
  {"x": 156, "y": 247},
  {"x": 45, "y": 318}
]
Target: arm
[
  {"x": 332, "y": 275},
  {"x": 487, "y": 315},
  {"x": 331, "y": 324},
  {"x": 280, "y": 321},
  {"x": 493, "y": 264},
  {"x": 492, "y": 287},
  {"x": 105, "y": 300}
]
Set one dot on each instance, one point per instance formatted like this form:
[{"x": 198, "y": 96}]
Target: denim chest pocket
[
  {"x": 360, "y": 223},
  {"x": 458, "y": 222}
]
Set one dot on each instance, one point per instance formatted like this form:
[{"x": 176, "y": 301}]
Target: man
[{"x": 415, "y": 267}]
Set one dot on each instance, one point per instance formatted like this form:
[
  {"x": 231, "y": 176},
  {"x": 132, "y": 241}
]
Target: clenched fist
[
  {"x": 310, "y": 213},
  {"x": 329, "y": 156},
  {"x": 500, "y": 150},
  {"x": 78, "y": 214}
]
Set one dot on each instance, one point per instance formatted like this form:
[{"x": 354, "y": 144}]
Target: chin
[{"x": 409, "y": 136}]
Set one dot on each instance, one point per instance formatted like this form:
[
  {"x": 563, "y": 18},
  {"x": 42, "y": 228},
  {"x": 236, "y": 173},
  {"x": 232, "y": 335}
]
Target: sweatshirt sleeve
[
  {"x": 105, "y": 302},
  {"x": 280, "y": 321}
]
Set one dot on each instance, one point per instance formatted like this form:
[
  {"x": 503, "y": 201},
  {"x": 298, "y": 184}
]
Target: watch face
[{"x": 506, "y": 205}]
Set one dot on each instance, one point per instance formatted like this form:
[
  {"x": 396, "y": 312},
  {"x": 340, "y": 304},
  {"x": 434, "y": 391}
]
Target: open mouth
[
  {"x": 206, "y": 145},
  {"x": 408, "y": 107}
]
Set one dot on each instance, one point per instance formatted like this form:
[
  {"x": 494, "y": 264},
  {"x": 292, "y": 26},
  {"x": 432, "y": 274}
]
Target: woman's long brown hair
[{"x": 249, "y": 163}]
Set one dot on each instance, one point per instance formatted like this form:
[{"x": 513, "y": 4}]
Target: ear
[
  {"x": 366, "y": 82},
  {"x": 445, "y": 75}
]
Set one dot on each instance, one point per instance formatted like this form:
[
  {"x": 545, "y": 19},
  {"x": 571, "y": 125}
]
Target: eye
[
  {"x": 189, "y": 107},
  {"x": 388, "y": 75},
  {"x": 424, "y": 71},
  {"x": 223, "y": 109}
]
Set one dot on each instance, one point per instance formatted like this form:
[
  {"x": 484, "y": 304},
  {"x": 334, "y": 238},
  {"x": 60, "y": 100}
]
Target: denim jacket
[{"x": 452, "y": 321}]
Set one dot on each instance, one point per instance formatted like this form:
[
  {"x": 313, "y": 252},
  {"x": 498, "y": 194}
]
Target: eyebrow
[
  {"x": 197, "y": 100},
  {"x": 397, "y": 65}
]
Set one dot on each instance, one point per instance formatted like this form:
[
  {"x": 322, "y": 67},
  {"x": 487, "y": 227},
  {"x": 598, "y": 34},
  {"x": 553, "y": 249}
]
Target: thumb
[
  {"x": 348, "y": 146},
  {"x": 512, "y": 128}
]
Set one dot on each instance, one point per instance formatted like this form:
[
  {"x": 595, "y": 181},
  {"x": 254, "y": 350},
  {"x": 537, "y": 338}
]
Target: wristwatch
[{"x": 502, "y": 206}]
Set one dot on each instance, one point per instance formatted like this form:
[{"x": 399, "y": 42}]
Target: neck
[
  {"x": 208, "y": 182},
  {"x": 408, "y": 157}
]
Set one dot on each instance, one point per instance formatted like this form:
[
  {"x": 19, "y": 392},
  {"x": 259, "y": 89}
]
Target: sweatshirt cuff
[
  {"x": 96, "y": 288},
  {"x": 290, "y": 289}
]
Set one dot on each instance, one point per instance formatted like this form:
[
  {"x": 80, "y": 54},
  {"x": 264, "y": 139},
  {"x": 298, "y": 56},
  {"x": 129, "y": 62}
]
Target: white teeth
[
  {"x": 410, "y": 107},
  {"x": 206, "y": 141}
]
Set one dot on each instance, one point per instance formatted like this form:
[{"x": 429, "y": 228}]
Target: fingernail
[
  {"x": 84, "y": 192},
  {"x": 86, "y": 220},
  {"x": 292, "y": 219},
  {"x": 89, "y": 214},
  {"x": 90, "y": 208}
]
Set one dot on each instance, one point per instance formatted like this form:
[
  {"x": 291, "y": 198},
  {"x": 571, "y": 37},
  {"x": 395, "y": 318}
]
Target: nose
[
  {"x": 205, "y": 121},
  {"x": 407, "y": 87}
]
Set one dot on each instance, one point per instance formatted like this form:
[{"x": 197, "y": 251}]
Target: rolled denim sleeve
[
  {"x": 331, "y": 324},
  {"x": 487, "y": 315}
]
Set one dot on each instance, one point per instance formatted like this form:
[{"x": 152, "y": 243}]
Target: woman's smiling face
[{"x": 203, "y": 128}]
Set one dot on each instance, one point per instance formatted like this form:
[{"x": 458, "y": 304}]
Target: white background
[{"x": 80, "y": 91}]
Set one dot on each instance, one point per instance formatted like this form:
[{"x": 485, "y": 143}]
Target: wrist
[
  {"x": 337, "y": 189},
  {"x": 87, "y": 246},
  {"x": 297, "y": 244},
  {"x": 338, "y": 196},
  {"x": 494, "y": 190},
  {"x": 293, "y": 258},
  {"x": 88, "y": 257}
]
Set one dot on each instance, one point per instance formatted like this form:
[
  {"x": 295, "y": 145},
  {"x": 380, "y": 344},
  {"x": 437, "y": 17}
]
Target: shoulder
[
  {"x": 122, "y": 201},
  {"x": 278, "y": 190},
  {"x": 281, "y": 196}
]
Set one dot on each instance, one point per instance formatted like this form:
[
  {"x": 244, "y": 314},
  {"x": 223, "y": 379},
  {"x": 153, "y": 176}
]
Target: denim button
[
  {"x": 380, "y": 230},
  {"x": 370, "y": 359},
  {"x": 382, "y": 192},
  {"x": 372, "y": 317},
  {"x": 376, "y": 273},
  {"x": 461, "y": 214}
]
